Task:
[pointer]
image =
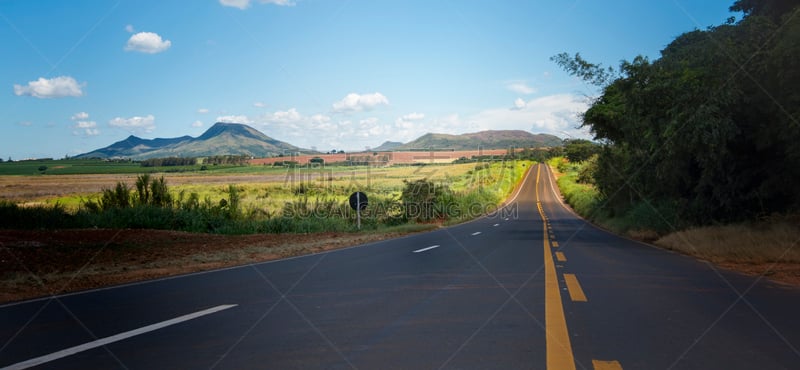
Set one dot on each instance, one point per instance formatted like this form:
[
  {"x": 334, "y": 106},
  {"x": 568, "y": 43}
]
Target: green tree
[
  {"x": 711, "y": 126},
  {"x": 774, "y": 9},
  {"x": 594, "y": 74},
  {"x": 317, "y": 160},
  {"x": 579, "y": 150}
]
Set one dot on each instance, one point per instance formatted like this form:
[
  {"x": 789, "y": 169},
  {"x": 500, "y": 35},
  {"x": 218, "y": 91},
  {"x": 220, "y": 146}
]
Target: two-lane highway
[{"x": 532, "y": 286}]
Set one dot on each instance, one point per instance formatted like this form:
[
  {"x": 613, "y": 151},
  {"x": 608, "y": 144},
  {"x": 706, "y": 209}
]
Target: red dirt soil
[{"x": 44, "y": 263}]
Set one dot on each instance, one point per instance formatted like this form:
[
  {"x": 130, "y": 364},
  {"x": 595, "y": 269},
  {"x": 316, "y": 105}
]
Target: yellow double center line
[{"x": 559, "y": 348}]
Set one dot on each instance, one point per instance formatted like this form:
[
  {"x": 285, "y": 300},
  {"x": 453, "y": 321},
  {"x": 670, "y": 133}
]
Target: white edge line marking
[
  {"x": 114, "y": 338},
  {"x": 496, "y": 225},
  {"x": 426, "y": 249},
  {"x": 476, "y": 233}
]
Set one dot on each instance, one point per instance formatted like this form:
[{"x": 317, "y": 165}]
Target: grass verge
[
  {"x": 767, "y": 241},
  {"x": 768, "y": 247}
]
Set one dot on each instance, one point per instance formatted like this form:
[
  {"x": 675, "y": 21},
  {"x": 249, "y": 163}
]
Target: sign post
[{"x": 358, "y": 201}]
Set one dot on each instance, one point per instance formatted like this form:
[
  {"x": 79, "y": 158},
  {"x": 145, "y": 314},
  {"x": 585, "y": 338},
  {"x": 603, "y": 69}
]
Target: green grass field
[
  {"x": 246, "y": 199},
  {"x": 84, "y": 167}
]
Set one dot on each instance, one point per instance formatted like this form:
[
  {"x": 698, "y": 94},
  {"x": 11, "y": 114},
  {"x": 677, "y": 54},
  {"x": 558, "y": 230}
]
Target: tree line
[
  {"x": 238, "y": 160},
  {"x": 709, "y": 131}
]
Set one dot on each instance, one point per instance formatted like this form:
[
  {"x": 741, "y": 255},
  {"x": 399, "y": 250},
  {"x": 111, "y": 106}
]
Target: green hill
[
  {"x": 491, "y": 139},
  {"x": 220, "y": 139}
]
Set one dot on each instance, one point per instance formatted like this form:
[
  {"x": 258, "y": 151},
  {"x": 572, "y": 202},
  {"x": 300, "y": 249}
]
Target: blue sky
[{"x": 329, "y": 74}]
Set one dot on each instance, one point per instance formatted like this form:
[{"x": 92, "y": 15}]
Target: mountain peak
[
  {"x": 489, "y": 139},
  {"x": 221, "y": 128},
  {"x": 220, "y": 139}
]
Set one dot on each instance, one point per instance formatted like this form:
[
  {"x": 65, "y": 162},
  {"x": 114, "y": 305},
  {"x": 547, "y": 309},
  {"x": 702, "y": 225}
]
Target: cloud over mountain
[
  {"x": 355, "y": 102},
  {"x": 83, "y": 126},
  {"x": 135, "y": 124}
]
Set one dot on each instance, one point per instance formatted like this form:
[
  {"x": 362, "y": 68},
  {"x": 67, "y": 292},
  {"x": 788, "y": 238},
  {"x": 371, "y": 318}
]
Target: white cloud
[
  {"x": 553, "y": 114},
  {"x": 234, "y": 119},
  {"x": 320, "y": 119},
  {"x": 289, "y": 116},
  {"x": 259, "y": 104},
  {"x": 79, "y": 116},
  {"x": 135, "y": 124},
  {"x": 147, "y": 42},
  {"x": 520, "y": 87},
  {"x": 129, "y": 28},
  {"x": 203, "y": 110},
  {"x": 278, "y": 2},
  {"x": 408, "y": 120},
  {"x": 519, "y": 104},
  {"x": 197, "y": 124},
  {"x": 57, "y": 87},
  {"x": 244, "y": 4},
  {"x": 413, "y": 116},
  {"x": 355, "y": 103},
  {"x": 319, "y": 129},
  {"x": 241, "y": 4},
  {"x": 371, "y": 127},
  {"x": 83, "y": 125}
]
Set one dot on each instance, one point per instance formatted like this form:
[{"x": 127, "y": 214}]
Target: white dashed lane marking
[{"x": 426, "y": 249}]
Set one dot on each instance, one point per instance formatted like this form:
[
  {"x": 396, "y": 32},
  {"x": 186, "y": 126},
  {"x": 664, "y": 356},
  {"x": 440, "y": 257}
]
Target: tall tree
[{"x": 712, "y": 127}]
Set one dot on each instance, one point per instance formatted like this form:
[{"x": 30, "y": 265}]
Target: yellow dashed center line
[
  {"x": 560, "y": 257},
  {"x": 574, "y": 288},
  {"x": 606, "y": 365},
  {"x": 559, "y": 348}
]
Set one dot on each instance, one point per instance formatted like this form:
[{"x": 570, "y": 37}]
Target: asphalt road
[{"x": 530, "y": 287}]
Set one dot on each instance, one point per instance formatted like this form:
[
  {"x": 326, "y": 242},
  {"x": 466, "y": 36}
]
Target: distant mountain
[
  {"x": 388, "y": 146},
  {"x": 220, "y": 139},
  {"x": 492, "y": 139}
]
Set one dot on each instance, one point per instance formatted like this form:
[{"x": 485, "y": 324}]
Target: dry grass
[
  {"x": 773, "y": 240},
  {"x": 646, "y": 235}
]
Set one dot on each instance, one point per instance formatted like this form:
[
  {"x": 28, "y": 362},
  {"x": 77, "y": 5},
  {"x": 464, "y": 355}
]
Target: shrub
[{"x": 424, "y": 201}]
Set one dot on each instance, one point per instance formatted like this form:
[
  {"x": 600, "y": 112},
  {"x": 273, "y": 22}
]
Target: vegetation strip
[{"x": 299, "y": 202}]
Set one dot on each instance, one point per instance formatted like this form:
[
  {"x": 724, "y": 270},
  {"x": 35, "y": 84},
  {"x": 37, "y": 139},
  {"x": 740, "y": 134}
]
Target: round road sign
[{"x": 358, "y": 199}]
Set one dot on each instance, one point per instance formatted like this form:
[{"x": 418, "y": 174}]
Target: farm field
[
  {"x": 42, "y": 261},
  {"x": 70, "y": 189}
]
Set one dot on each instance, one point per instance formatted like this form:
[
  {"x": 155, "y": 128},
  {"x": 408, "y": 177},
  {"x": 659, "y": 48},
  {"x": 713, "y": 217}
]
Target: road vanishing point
[{"x": 529, "y": 287}]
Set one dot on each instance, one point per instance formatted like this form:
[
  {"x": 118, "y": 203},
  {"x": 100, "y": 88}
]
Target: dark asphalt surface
[{"x": 476, "y": 301}]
